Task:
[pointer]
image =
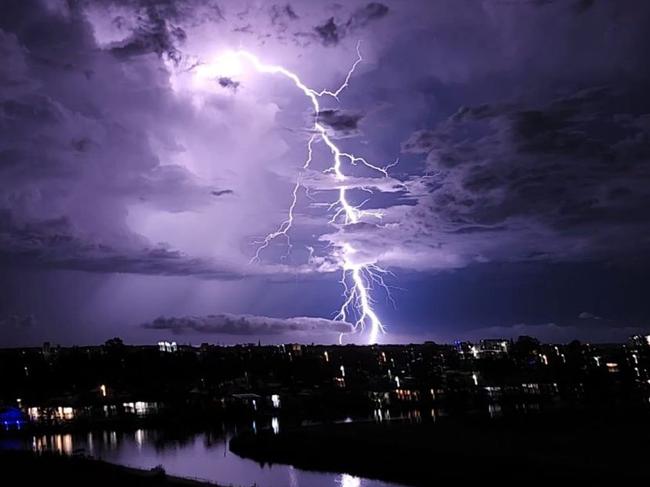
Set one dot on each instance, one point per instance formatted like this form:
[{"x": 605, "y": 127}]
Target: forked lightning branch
[{"x": 357, "y": 279}]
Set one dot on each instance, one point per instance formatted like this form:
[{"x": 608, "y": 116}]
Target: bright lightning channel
[{"x": 357, "y": 279}]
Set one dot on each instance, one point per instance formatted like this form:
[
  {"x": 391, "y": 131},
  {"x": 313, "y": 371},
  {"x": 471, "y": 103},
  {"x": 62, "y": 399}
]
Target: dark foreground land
[
  {"x": 28, "y": 468},
  {"x": 578, "y": 446}
]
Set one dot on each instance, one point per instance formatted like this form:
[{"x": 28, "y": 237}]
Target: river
[{"x": 202, "y": 456}]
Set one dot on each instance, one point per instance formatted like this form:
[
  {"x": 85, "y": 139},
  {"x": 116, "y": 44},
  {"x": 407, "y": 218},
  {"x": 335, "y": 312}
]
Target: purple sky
[{"x": 132, "y": 190}]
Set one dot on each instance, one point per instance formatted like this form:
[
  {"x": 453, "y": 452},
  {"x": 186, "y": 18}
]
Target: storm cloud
[
  {"x": 332, "y": 31},
  {"x": 522, "y": 130},
  {"x": 95, "y": 139},
  {"x": 572, "y": 169},
  {"x": 342, "y": 122},
  {"x": 247, "y": 325}
]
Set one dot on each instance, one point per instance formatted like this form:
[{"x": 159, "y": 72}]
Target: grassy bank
[
  {"x": 28, "y": 468},
  {"x": 585, "y": 447}
]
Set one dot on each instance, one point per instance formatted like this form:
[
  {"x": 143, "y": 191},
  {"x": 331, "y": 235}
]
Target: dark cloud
[
  {"x": 75, "y": 156},
  {"x": 56, "y": 244},
  {"x": 331, "y": 32},
  {"x": 247, "y": 325},
  {"x": 154, "y": 34},
  {"x": 175, "y": 11},
  {"x": 244, "y": 29},
  {"x": 574, "y": 168},
  {"x": 343, "y": 122},
  {"x": 228, "y": 83},
  {"x": 363, "y": 16},
  {"x": 280, "y": 14},
  {"x": 222, "y": 192}
]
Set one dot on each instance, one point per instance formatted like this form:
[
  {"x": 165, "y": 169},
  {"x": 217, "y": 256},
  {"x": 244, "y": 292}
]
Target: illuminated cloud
[
  {"x": 523, "y": 143},
  {"x": 247, "y": 325}
]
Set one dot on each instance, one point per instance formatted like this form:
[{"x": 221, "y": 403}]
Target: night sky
[{"x": 134, "y": 187}]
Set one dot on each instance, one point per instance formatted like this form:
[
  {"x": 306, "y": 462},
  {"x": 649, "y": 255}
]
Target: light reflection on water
[
  {"x": 205, "y": 456},
  {"x": 202, "y": 456},
  {"x": 58, "y": 443}
]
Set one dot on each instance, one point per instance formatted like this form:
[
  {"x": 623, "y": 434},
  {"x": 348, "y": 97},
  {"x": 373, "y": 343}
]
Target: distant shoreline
[{"x": 585, "y": 446}]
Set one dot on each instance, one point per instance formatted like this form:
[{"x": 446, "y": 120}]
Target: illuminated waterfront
[{"x": 203, "y": 456}]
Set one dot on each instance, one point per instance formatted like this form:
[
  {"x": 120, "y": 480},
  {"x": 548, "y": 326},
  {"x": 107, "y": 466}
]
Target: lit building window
[{"x": 275, "y": 400}]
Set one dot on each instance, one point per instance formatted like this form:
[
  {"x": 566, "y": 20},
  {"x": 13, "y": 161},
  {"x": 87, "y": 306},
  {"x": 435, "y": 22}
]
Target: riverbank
[
  {"x": 581, "y": 446},
  {"x": 29, "y": 468}
]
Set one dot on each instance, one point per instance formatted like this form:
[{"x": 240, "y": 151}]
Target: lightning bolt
[
  {"x": 357, "y": 279},
  {"x": 285, "y": 226}
]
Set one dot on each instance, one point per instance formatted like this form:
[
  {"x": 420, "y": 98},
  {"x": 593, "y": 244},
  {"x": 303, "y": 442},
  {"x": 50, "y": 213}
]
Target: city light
[{"x": 275, "y": 400}]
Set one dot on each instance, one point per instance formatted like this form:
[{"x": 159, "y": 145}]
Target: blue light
[{"x": 11, "y": 417}]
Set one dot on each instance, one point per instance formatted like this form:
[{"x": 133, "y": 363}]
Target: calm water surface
[{"x": 204, "y": 456}]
